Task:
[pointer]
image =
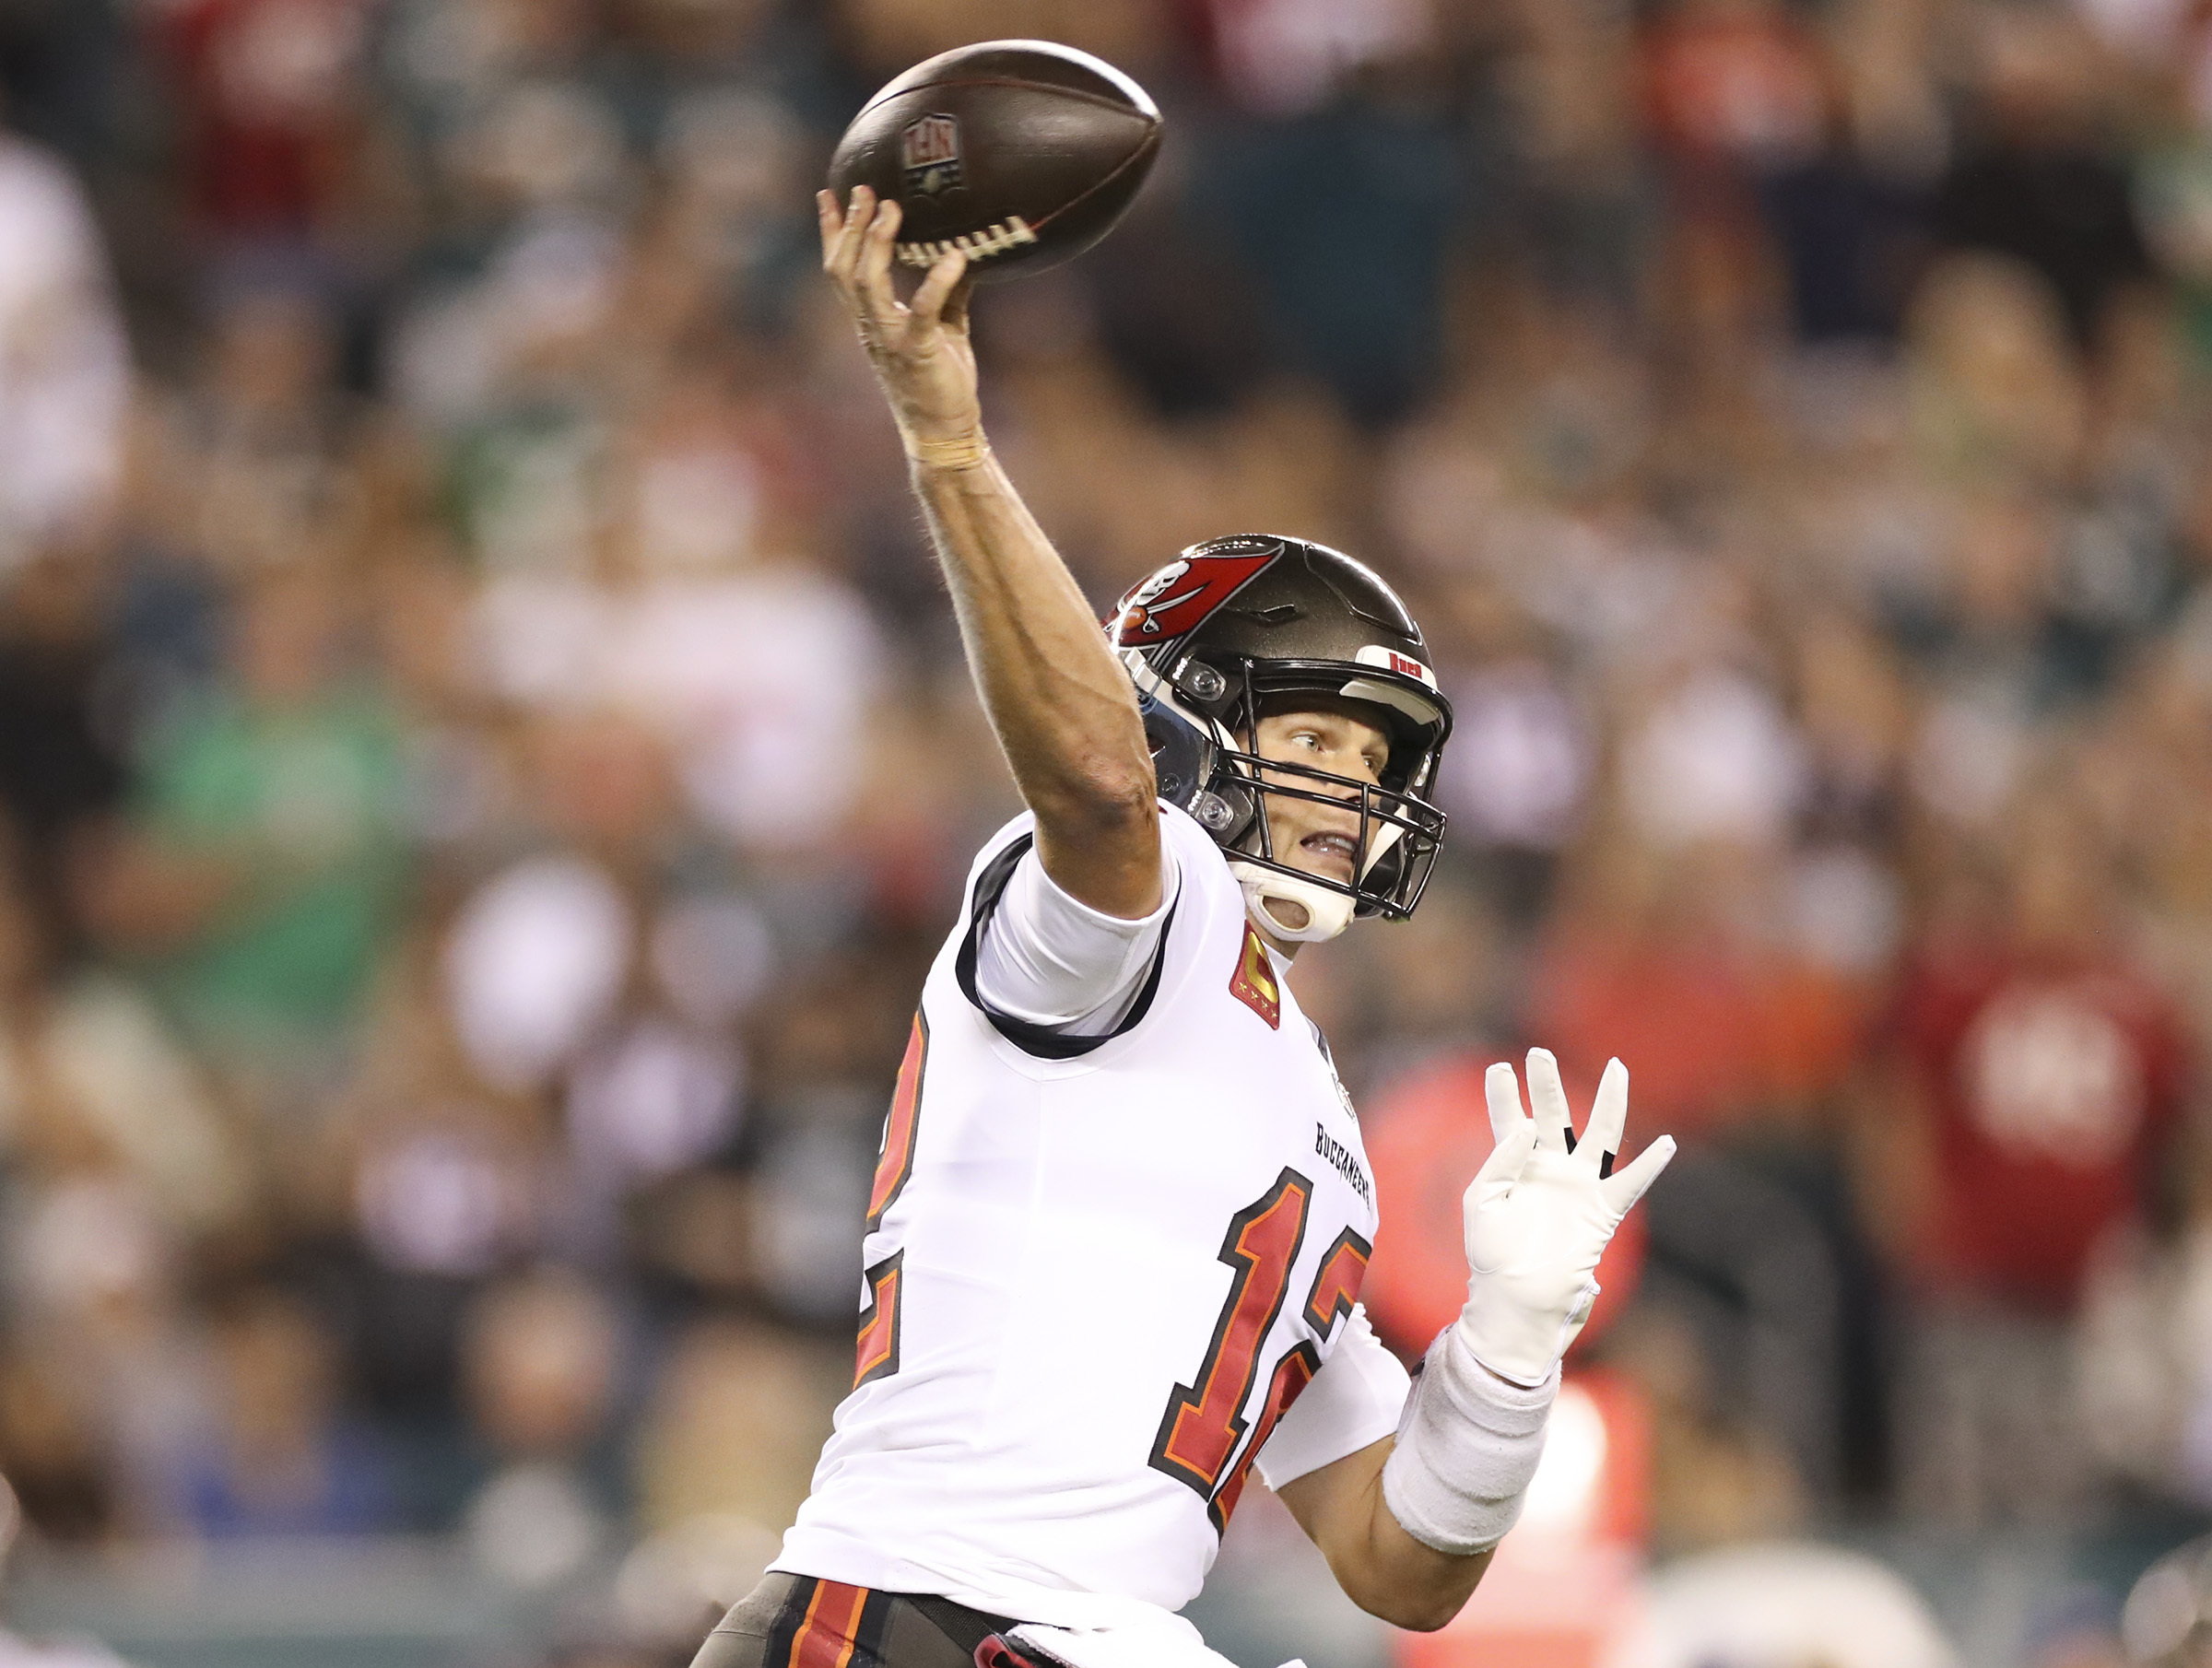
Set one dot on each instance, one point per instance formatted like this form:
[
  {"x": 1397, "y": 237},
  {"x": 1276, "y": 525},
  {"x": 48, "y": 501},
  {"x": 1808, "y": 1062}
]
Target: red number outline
[
  {"x": 1205, "y": 1440},
  {"x": 1204, "y": 1420},
  {"x": 875, "y": 1349},
  {"x": 875, "y": 1352},
  {"x": 1336, "y": 1289},
  {"x": 895, "y": 1163},
  {"x": 1292, "y": 1374},
  {"x": 1337, "y": 1281}
]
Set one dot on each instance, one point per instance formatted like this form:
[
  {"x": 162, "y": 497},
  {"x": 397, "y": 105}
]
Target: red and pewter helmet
[{"x": 1221, "y": 634}]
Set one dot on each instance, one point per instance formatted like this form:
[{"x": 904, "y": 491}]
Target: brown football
[{"x": 1021, "y": 152}]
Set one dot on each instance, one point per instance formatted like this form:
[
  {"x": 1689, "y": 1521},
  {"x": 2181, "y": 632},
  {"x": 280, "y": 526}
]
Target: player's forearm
[
  {"x": 1062, "y": 707},
  {"x": 1064, "y": 713},
  {"x": 1381, "y": 1567},
  {"x": 1392, "y": 1576}
]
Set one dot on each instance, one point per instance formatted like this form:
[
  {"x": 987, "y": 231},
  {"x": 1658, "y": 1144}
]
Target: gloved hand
[{"x": 1539, "y": 1215}]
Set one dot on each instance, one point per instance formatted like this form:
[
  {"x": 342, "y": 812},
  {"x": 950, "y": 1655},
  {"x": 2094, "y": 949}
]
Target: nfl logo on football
[{"x": 929, "y": 150}]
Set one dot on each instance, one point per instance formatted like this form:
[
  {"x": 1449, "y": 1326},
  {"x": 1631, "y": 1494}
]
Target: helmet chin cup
[
  {"x": 1186, "y": 747},
  {"x": 1327, "y": 913}
]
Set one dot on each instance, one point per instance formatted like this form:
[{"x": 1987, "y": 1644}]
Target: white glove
[{"x": 1539, "y": 1215}]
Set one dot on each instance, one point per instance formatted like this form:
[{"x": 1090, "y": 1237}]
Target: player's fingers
[
  {"x": 1623, "y": 1188},
  {"x": 1503, "y": 1167},
  {"x": 1502, "y": 1091},
  {"x": 875, "y": 266},
  {"x": 1609, "y": 1115},
  {"x": 955, "y": 315},
  {"x": 839, "y": 259},
  {"x": 929, "y": 301},
  {"x": 1547, "y": 1099}
]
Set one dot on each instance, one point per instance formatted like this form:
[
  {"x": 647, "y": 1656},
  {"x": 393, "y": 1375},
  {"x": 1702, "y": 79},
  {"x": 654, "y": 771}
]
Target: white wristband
[{"x": 1468, "y": 1444}]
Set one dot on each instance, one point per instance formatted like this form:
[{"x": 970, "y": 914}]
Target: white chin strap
[{"x": 1327, "y": 913}]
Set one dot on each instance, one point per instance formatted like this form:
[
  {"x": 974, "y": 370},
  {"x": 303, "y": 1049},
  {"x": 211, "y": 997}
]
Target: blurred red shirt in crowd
[
  {"x": 265, "y": 89},
  {"x": 2036, "y": 1074},
  {"x": 1658, "y": 962},
  {"x": 1712, "y": 1032},
  {"x": 1733, "y": 81},
  {"x": 2048, "y": 1078}
]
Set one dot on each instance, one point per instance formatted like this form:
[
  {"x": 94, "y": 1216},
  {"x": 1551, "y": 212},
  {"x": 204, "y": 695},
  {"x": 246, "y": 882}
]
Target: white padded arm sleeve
[
  {"x": 1050, "y": 960},
  {"x": 1355, "y": 1400},
  {"x": 1466, "y": 1449}
]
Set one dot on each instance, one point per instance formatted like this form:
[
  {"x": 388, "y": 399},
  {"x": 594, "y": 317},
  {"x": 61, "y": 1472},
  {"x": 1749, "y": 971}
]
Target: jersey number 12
[{"x": 1202, "y": 1433}]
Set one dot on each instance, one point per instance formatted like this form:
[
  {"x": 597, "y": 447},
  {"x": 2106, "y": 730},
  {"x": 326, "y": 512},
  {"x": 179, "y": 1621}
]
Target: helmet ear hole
[{"x": 1179, "y": 752}]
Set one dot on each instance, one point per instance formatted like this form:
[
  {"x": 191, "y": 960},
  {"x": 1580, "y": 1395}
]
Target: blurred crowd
[{"x": 485, "y": 758}]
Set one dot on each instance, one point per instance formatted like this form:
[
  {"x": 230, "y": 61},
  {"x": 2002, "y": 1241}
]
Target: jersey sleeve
[
  {"x": 1047, "y": 959},
  {"x": 1354, "y": 1400}
]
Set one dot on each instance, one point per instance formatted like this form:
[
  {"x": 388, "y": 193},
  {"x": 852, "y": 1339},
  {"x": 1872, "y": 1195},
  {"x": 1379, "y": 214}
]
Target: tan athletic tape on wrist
[
  {"x": 1468, "y": 1443},
  {"x": 969, "y": 451}
]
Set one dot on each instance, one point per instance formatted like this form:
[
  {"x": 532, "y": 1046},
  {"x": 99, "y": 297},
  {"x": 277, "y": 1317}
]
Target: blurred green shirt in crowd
[{"x": 301, "y": 805}]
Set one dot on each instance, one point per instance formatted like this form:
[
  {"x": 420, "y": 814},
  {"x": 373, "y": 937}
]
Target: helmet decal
[
  {"x": 1391, "y": 660},
  {"x": 1175, "y": 601}
]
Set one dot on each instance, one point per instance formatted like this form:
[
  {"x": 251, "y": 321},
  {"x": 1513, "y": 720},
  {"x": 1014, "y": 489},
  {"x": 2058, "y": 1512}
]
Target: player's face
[{"x": 1335, "y": 737}]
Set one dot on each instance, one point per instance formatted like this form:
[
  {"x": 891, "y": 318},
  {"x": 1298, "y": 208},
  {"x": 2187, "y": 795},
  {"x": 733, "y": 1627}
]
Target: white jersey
[{"x": 1101, "y": 1271}]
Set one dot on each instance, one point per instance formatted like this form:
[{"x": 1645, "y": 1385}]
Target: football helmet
[{"x": 1218, "y": 636}]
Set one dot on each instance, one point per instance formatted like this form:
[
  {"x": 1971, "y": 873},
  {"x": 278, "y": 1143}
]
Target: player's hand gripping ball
[
  {"x": 1539, "y": 1213},
  {"x": 1019, "y": 153}
]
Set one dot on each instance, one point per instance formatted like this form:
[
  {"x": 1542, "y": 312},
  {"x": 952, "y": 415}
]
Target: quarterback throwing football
[{"x": 1118, "y": 1227}]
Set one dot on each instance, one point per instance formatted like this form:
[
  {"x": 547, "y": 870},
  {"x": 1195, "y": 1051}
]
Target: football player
[{"x": 1115, "y": 1241}]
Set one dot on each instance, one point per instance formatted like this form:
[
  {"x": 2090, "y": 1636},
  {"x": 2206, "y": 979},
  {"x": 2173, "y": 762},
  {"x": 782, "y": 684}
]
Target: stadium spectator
[
  {"x": 2037, "y": 179},
  {"x": 64, "y": 364},
  {"x": 2039, "y": 1076},
  {"x": 280, "y": 1459},
  {"x": 261, "y": 879}
]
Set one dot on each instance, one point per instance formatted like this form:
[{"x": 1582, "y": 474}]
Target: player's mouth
[{"x": 1331, "y": 854}]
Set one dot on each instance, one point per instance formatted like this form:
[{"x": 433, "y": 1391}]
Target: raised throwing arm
[{"x": 1063, "y": 707}]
